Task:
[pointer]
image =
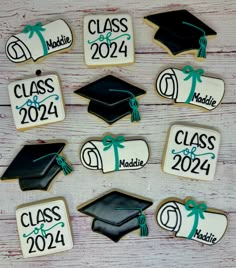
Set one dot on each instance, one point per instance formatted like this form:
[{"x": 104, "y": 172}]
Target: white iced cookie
[
  {"x": 36, "y": 101},
  {"x": 191, "y": 152},
  {"x": 192, "y": 221},
  {"x": 114, "y": 154},
  {"x": 108, "y": 39},
  {"x": 44, "y": 228},
  {"x": 37, "y": 41},
  {"x": 189, "y": 86}
]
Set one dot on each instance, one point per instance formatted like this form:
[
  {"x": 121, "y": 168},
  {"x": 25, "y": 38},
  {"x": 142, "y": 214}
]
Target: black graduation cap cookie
[
  {"x": 180, "y": 32},
  {"x": 36, "y": 165},
  {"x": 117, "y": 214},
  {"x": 112, "y": 98}
]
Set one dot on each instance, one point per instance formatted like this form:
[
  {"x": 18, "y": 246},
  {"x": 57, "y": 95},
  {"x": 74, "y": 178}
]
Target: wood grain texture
[{"x": 90, "y": 250}]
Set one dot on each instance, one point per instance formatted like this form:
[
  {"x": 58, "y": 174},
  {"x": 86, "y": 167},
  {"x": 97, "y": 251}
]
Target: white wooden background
[{"x": 160, "y": 249}]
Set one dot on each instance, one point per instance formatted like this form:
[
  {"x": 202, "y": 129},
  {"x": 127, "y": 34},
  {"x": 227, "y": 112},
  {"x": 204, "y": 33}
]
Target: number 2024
[
  {"x": 194, "y": 165},
  {"x": 103, "y": 50},
  {"x": 39, "y": 242},
  {"x": 33, "y": 113}
]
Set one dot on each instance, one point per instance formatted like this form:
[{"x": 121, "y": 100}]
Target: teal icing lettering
[
  {"x": 108, "y": 38},
  {"x": 191, "y": 153}
]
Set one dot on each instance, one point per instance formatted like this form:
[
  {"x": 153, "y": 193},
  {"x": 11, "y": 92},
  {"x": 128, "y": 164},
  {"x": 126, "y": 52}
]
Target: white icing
[
  {"x": 135, "y": 152},
  {"x": 51, "y": 214},
  {"x": 20, "y": 47},
  {"x": 48, "y": 108},
  {"x": 121, "y": 49},
  {"x": 171, "y": 84},
  {"x": 213, "y": 225},
  {"x": 201, "y": 166}
]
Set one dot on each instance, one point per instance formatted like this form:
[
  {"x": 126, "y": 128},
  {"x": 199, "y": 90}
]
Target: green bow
[
  {"x": 108, "y": 142},
  {"x": 37, "y": 29},
  {"x": 196, "y": 77},
  {"x": 196, "y": 211}
]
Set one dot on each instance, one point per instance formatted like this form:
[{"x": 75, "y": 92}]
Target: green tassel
[
  {"x": 67, "y": 169},
  {"x": 135, "y": 116},
  {"x": 202, "y": 49},
  {"x": 143, "y": 225}
]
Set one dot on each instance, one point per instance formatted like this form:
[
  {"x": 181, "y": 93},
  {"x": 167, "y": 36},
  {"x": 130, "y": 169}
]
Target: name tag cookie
[
  {"x": 191, "y": 152},
  {"x": 114, "y": 154},
  {"x": 192, "y": 221},
  {"x": 44, "y": 228},
  {"x": 37, "y": 41},
  {"x": 36, "y": 101},
  {"x": 108, "y": 39},
  {"x": 189, "y": 86}
]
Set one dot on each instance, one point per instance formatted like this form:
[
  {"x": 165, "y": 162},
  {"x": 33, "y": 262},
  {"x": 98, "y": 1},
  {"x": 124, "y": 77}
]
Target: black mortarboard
[
  {"x": 36, "y": 165},
  {"x": 116, "y": 214},
  {"x": 180, "y": 31},
  {"x": 112, "y": 98}
]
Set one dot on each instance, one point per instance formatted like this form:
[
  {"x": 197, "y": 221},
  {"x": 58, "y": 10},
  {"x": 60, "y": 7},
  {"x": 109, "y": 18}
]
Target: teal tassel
[
  {"x": 203, "y": 45},
  {"x": 135, "y": 116},
  {"x": 67, "y": 169},
  {"x": 143, "y": 225}
]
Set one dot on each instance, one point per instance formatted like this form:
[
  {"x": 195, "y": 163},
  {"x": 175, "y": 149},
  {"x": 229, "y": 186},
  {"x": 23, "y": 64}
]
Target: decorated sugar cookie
[
  {"x": 117, "y": 214},
  {"x": 114, "y": 154},
  {"x": 180, "y": 32},
  {"x": 191, "y": 152},
  {"x": 38, "y": 41},
  {"x": 189, "y": 86},
  {"x": 108, "y": 39},
  {"x": 44, "y": 227},
  {"x": 112, "y": 98},
  {"x": 36, "y": 165},
  {"x": 36, "y": 101},
  {"x": 192, "y": 221}
]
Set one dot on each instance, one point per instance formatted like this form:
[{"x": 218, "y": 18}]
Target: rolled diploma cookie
[
  {"x": 171, "y": 85},
  {"x": 20, "y": 47},
  {"x": 94, "y": 157}
]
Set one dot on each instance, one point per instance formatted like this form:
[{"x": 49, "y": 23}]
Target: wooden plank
[{"x": 74, "y": 74}]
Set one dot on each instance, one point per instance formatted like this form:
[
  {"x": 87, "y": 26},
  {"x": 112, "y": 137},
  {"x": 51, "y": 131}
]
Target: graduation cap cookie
[
  {"x": 114, "y": 154},
  {"x": 189, "y": 86},
  {"x": 117, "y": 214},
  {"x": 193, "y": 221},
  {"x": 36, "y": 166},
  {"x": 38, "y": 41},
  {"x": 180, "y": 32},
  {"x": 112, "y": 98}
]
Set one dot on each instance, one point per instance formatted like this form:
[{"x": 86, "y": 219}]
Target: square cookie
[
  {"x": 44, "y": 228},
  {"x": 36, "y": 101},
  {"x": 108, "y": 39},
  {"x": 191, "y": 152}
]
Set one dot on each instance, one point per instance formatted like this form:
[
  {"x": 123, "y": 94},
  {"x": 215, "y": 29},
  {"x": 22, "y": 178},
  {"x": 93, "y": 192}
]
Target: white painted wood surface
[{"x": 160, "y": 249}]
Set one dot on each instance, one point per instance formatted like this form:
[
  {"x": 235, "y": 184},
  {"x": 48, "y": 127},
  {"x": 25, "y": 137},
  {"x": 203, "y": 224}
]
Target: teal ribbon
[
  {"x": 195, "y": 75},
  {"x": 108, "y": 38},
  {"x": 133, "y": 103},
  {"x": 108, "y": 142},
  {"x": 141, "y": 220},
  {"x": 37, "y": 29},
  {"x": 202, "y": 41},
  {"x": 196, "y": 211},
  {"x": 42, "y": 230},
  {"x": 61, "y": 161},
  {"x": 35, "y": 102},
  {"x": 191, "y": 153}
]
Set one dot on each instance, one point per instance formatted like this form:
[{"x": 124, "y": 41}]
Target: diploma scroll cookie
[
  {"x": 190, "y": 86},
  {"x": 44, "y": 227},
  {"x": 191, "y": 220},
  {"x": 191, "y": 152},
  {"x": 108, "y": 39},
  {"x": 38, "y": 41},
  {"x": 36, "y": 101},
  {"x": 114, "y": 154}
]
